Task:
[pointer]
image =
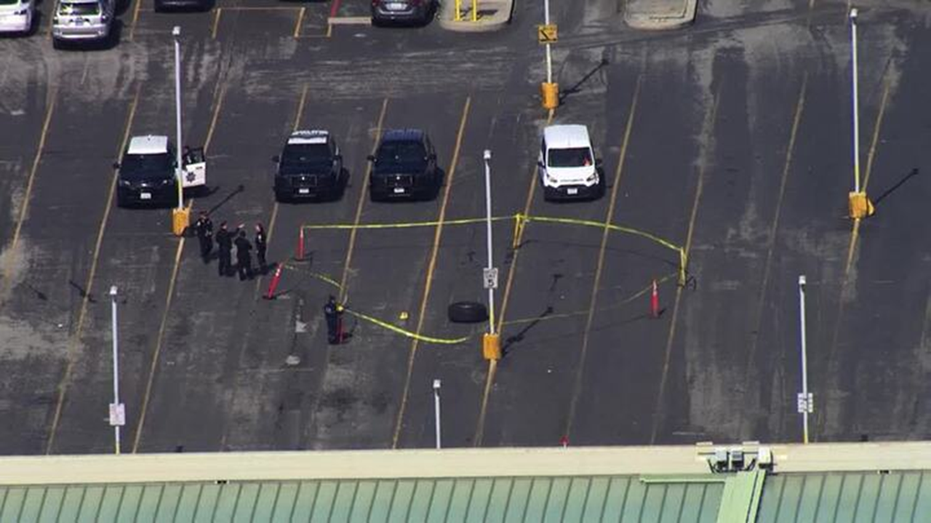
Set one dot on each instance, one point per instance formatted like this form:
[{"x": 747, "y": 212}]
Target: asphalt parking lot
[{"x": 729, "y": 139}]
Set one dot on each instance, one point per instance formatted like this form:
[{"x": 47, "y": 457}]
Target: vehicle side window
[{"x": 543, "y": 148}]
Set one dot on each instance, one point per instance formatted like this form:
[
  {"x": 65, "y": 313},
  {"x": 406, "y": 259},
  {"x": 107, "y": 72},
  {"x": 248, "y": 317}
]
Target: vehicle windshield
[
  {"x": 79, "y": 9},
  {"x": 401, "y": 156},
  {"x": 575, "y": 157},
  {"x": 9, "y": 2},
  {"x": 305, "y": 158},
  {"x": 144, "y": 166}
]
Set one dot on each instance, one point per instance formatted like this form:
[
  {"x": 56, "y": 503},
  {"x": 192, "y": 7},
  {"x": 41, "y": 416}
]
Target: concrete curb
[
  {"x": 493, "y": 15},
  {"x": 647, "y": 15}
]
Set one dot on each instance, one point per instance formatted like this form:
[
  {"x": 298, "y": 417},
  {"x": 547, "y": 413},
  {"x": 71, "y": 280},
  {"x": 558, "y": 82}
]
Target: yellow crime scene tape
[
  {"x": 405, "y": 332},
  {"x": 394, "y": 328},
  {"x": 320, "y": 276},
  {"x": 520, "y": 220},
  {"x": 639, "y": 294}
]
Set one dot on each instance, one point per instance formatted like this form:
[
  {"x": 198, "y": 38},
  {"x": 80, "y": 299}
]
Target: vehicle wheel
[
  {"x": 56, "y": 43},
  {"x": 467, "y": 312}
]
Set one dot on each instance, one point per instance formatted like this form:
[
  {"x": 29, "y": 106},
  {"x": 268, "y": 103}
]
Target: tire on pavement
[{"x": 467, "y": 312}]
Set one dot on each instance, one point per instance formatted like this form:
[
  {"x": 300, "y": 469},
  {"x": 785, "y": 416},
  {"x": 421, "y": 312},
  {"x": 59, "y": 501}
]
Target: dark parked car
[
  {"x": 404, "y": 166},
  {"x": 310, "y": 167},
  {"x": 402, "y": 11},
  {"x": 192, "y": 5},
  {"x": 147, "y": 172}
]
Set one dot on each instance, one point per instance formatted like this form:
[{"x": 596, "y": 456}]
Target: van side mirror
[
  {"x": 276, "y": 158},
  {"x": 116, "y": 165},
  {"x": 599, "y": 162},
  {"x": 337, "y": 157},
  {"x": 370, "y": 158}
]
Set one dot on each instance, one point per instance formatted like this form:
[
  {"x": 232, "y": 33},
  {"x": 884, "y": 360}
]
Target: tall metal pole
[
  {"x": 176, "y": 32},
  {"x": 549, "y": 56},
  {"x": 856, "y": 103},
  {"x": 436, "y": 411},
  {"x": 805, "y": 400},
  {"x": 117, "y": 416},
  {"x": 491, "y": 288}
]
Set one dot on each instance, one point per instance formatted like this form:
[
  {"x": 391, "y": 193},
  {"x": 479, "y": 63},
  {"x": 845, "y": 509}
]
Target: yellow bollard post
[
  {"x": 491, "y": 346},
  {"x": 549, "y": 91},
  {"x": 458, "y": 16},
  {"x": 180, "y": 220},
  {"x": 475, "y": 10},
  {"x": 860, "y": 205}
]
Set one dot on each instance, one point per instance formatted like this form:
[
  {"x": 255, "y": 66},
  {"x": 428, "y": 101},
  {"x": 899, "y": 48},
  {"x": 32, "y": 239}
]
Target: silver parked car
[{"x": 82, "y": 20}]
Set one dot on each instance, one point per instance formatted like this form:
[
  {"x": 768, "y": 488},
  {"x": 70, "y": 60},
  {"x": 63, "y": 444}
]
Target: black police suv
[
  {"x": 404, "y": 167},
  {"x": 147, "y": 173},
  {"x": 310, "y": 167}
]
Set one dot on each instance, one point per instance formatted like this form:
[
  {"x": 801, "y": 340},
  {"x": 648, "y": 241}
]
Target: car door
[
  {"x": 431, "y": 160},
  {"x": 541, "y": 159}
]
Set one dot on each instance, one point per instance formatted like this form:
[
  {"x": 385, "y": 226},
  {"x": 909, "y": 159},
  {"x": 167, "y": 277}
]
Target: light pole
[
  {"x": 117, "y": 409},
  {"x": 805, "y": 398},
  {"x": 549, "y": 89},
  {"x": 490, "y": 268},
  {"x": 856, "y": 103},
  {"x": 549, "y": 56},
  {"x": 436, "y": 410},
  {"x": 491, "y": 346},
  {"x": 860, "y": 205},
  {"x": 176, "y": 33}
]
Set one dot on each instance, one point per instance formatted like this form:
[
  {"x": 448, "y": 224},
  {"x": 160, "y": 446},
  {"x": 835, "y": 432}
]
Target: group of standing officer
[
  {"x": 332, "y": 310},
  {"x": 225, "y": 240}
]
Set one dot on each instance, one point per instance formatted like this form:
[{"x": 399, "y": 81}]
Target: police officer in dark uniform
[
  {"x": 224, "y": 250},
  {"x": 243, "y": 256},
  {"x": 334, "y": 321},
  {"x": 204, "y": 229},
  {"x": 260, "y": 246}
]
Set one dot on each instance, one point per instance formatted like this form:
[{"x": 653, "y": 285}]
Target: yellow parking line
[
  {"x": 76, "y": 338},
  {"x": 492, "y": 365},
  {"x": 875, "y": 140},
  {"x": 169, "y": 297},
  {"x": 8, "y": 264},
  {"x": 609, "y": 217},
  {"x": 132, "y": 25},
  {"x": 773, "y": 230},
  {"x": 297, "y": 25},
  {"x": 699, "y": 188},
  {"x": 431, "y": 266},
  {"x": 216, "y": 23},
  {"x": 343, "y": 294}
]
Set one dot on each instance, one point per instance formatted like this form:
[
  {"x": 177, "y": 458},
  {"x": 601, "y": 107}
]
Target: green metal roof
[
  {"x": 540, "y": 499},
  {"x": 846, "y": 497}
]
